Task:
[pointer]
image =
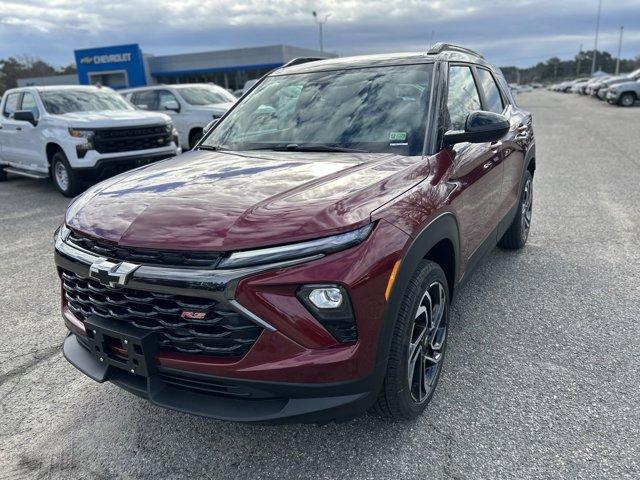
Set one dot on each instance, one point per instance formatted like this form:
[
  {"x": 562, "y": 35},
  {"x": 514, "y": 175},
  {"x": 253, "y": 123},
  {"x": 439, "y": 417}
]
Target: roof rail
[
  {"x": 299, "y": 60},
  {"x": 443, "y": 47}
]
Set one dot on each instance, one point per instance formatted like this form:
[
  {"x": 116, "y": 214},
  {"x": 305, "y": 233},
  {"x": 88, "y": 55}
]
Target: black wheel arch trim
[
  {"x": 529, "y": 157},
  {"x": 443, "y": 227}
]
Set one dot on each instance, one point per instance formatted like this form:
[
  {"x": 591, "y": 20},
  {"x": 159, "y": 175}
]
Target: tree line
[
  {"x": 25, "y": 66},
  {"x": 552, "y": 70},
  {"x": 555, "y": 69}
]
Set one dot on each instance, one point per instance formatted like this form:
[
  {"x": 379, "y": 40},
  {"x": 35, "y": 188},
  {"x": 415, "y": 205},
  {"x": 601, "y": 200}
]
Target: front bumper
[
  {"x": 612, "y": 97},
  {"x": 229, "y": 399},
  {"x": 298, "y": 368}
]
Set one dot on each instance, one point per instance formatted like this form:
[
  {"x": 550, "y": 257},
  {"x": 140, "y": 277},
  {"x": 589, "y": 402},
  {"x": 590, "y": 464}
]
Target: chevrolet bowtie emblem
[{"x": 110, "y": 273}]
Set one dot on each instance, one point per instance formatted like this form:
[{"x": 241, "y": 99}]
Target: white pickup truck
[
  {"x": 74, "y": 134},
  {"x": 191, "y": 106}
]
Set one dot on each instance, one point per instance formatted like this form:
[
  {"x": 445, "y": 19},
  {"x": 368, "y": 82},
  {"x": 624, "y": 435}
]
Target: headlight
[
  {"x": 62, "y": 232},
  {"x": 297, "y": 250},
  {"x": 81, "y": 133},
  {"x": 169, "y": 127}
]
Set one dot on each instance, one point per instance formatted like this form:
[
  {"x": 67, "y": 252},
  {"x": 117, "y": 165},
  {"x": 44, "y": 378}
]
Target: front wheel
[
  {"x": 627, "y": 100},
  {"x": 417, "y": 347},
  {"x": 64, "y": 177},
  {"x": 518, "y": 232}
]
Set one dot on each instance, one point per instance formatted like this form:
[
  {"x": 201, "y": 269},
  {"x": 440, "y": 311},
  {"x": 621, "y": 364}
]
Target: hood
[
  {"x": 616, "y": 80},
  {"x": 629, "y": 82},
  {"x": 221, "y": 201},
  {"x": 113, "y": 118}
]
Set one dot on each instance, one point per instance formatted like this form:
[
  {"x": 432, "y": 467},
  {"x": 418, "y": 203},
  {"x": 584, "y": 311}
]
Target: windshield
[
  {"x": 205, "y": 95},
  {"x": 58, "y": 102},
  {"x": 381, "y": 109}
]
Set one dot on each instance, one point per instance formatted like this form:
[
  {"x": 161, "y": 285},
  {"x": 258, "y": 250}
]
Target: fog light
[
  {"x": 328, "y": 297},
  {"x": 331, "y": 306}
]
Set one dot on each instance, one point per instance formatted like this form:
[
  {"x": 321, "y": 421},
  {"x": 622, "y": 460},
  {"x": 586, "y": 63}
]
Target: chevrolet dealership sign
[
  {"x": 100, "y": 59},
  {"x": 118, "y": 66}
]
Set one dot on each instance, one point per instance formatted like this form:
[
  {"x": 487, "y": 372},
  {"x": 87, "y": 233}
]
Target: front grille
[
  {"x": 113, "y": 140},
  {"x": 145, "y": 256},
  {"x": 222, "y": 332}
]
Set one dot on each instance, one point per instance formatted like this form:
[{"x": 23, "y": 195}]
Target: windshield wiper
[
  {"x": 297, "y": 147},
  {"x": 213, "y": 148}
]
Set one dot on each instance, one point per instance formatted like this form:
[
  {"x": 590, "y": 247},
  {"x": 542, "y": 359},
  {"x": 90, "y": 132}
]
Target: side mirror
[
  {"x": 210, "y": 125},
  {"x": 172, "y": 105},
  {"x": 479, "y": 127},
  {"x": 25, "y": 116}
]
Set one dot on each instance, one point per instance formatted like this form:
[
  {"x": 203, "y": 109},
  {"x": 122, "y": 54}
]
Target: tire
[
  {"x": 3, "y": 174},
  {"x": 421, "y": 328},
  {"x": 516, "y": 235},
  {"x": 194, "y": 137},
  {"x": 65, "y": 179},
  {"x": 627, "y": 100}
]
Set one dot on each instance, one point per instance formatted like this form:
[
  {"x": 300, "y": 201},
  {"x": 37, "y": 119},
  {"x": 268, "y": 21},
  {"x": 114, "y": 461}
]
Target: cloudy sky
[{"x": 508, "y": 32}]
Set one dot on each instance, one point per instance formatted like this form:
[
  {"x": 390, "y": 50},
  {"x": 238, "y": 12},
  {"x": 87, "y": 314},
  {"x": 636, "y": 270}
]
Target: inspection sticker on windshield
[{"x": 397, "y": 138}]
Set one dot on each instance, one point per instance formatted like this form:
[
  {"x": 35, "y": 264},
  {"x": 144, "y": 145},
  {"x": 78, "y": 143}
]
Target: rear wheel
[
  {"x": 627, "y": 99},
  {"x": 417, "y": 347},
  {"x": 516, "y": 236},
  {"x": 64, "y": 177}
]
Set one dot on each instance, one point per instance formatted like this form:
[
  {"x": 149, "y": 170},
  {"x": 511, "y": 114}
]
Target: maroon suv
[{"x": 299, "y": 263}]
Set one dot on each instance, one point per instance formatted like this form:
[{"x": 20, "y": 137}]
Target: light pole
[
  {"x": 320, "y": 24},
  {"x": 619, "y": 51},
  {"x": 595, "y": 48}
]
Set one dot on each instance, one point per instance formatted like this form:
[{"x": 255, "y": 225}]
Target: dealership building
[{"x": 126, "y": 66}]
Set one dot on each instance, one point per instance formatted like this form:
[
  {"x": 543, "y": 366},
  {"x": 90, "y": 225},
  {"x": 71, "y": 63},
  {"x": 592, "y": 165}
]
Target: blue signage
[{"x": 120, "y": 66}]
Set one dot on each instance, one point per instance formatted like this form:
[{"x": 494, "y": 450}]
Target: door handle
[{"x": 18, "y": 128}]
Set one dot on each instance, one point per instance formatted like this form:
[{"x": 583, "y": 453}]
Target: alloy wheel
[
  {"x": 627, "y": 100},
  {"x": 426, "y": 344},
  {"x": 61, "y": 176}
]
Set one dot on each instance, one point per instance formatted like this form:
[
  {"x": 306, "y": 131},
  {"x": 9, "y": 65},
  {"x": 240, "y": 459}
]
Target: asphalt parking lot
[{"x": 541, "y": 379}]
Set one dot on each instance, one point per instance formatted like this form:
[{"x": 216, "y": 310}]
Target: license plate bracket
[{"x": 141, "y": 345}]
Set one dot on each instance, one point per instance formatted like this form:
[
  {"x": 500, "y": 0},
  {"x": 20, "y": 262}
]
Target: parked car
[
  {"x": 577, "y": 87},
  {"x": 592, "y": 82},
  {"x": 566, "y": 87},
  {"x": 604, "y": 88},
  {"x": 299, "y": 263},
  {"x": 624, "y": 94},
  {"x": 191, "y": 106},
  {"x": 247, "y": 85},
  {"x": 74, "y": 134}
]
